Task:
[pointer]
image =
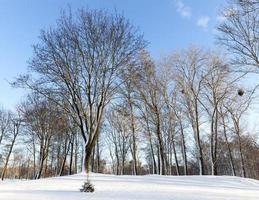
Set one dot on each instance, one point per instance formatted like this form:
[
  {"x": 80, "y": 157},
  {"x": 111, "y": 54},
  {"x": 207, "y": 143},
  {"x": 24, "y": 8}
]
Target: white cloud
[
  {"x": 182, "y": 9},
  {"x": 203, "y": 22},
  {"x": 221, "y": 18}
]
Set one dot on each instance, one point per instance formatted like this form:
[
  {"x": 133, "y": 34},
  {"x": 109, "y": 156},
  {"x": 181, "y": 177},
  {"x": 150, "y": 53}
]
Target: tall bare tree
[
  {"x": 148, "y": 88},
  {"x": 78, "y": 62},
  {"x": 189, "y": 69},
  {"x": 128, "y": 93}
]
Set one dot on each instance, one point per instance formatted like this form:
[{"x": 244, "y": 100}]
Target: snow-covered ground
[{"x": 109, "y": 187}]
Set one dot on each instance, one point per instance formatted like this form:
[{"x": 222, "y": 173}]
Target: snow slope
[{"x": 109, "y": 187}]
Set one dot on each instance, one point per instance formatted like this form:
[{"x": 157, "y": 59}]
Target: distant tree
[
  {"x": 5, "y": 118},
  {"x": 237, "y": 106},
  {"x": 14, "y": 130},
  {"x": 43, "y": 121},
  {"x": 119, "y": 136}
]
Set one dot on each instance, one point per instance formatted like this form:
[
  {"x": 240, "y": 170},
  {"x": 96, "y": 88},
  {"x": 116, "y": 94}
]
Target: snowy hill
[{"x": 109, "y": 187}]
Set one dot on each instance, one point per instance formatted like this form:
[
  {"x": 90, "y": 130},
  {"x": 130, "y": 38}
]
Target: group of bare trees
[
  {"x": 99, "y": 102},
  {"x": 39, "y": 142},
  {"x": 189, "y": 112}
]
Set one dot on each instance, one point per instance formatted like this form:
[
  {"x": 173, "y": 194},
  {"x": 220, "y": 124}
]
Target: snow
[{"x": 110, "y": 187}]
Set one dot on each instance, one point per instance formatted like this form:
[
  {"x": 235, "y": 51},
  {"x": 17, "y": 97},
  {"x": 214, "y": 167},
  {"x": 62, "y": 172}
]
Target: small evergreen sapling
[{"x": 87, "y": 187}]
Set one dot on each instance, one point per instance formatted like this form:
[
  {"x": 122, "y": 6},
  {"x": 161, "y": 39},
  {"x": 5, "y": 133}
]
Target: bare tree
[
  {"x": 43, "y": 122},
  {"x": 145, "y": 121},
  {"x": 148, "y": 90},
  {"x": 15, "y": 124},
  {"x": 119, "y": 136},
  {"x": 223, "y": 116},
  {"x": 237, "y": 106},
  {"x": 216, "y": 85},
  {"x": 4, "y": 123},
  {"x": 79, "y": 62},
  {"x": 128, "y": 93},
  {"x": 239, "y": 32},
  {"x": 189, "y": 69}
]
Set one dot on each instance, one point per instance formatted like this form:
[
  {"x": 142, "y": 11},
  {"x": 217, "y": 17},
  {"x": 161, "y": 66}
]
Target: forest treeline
[{"x": 99, "y": 102}]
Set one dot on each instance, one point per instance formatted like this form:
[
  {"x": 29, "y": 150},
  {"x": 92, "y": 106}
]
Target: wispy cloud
[
  {"x": 220, "y": 18},
  {"x": 203, "y": 22},
  {"x": 182, "y": 9}
]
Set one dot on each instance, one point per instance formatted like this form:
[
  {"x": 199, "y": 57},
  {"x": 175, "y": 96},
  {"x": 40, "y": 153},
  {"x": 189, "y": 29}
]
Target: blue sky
[{"x": 167, "y": 25}]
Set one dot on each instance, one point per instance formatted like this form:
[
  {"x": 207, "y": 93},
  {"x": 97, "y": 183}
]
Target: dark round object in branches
[
  {"x": 87, "y": 187},
  {"x": 182, "y": 91},
  {"x": 240, "y": 92}
]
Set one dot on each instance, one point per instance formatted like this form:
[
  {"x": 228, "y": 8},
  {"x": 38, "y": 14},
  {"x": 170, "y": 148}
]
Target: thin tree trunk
[
  {"x": 40, "y": 167},
  {"x": 71, "y": 155},
  {"x": 7, "y": 160},
  {"x": 160, "y": 144},
  {"x": 134, "y": 146},
  {"x": 66, "y": 151},
  {"x": 158, "y": 160},
  {"x": 151, "y": 148},
  {"x": 198, "y": 141},
  {"x": 176, "y": 159},
  {"x": 98, "y": 157},
  {"x": 183, "y": 148},
  {"x": 16, "y": 131},
  {"x": 34, "y": 159},
  {"x": 242, "y": 162},
  {"x": 228, "y": 147},
  {"x": 76, "y": 154}
]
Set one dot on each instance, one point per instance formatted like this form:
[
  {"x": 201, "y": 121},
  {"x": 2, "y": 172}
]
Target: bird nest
[{"x": 240, "y": 92}]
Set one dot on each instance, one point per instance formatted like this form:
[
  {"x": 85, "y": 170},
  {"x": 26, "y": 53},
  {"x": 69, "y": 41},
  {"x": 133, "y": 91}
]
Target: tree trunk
[
  {"x": 243, "y": 171},
  {"x": 71, "y": 155},
  {"x": 93, "y": 160},
  {"x": 7, "y": 160},
  {"x": 88, "y": 150},
  {"x": 97, "y": 157},
  {"x": 176, "y": 159},
  {"x": 134, "y": 146},
  {"x": 40, "y": 167},
  {"x": 66, "y": 151},
  {"x": 76, "y": 154},
  {"x": 213, "y": 142},
  {"x": 228, "y": 147},
  {"x": 158, "y": 160},
  {"x": 16, "y": 131},
  {"x": 198, "y": 141},
  {"x": 183, "y": 148},
  {"x": 151, "y": 148},
  {"x": 242, "y": 162},
  {"x": 160, "y": 144}
]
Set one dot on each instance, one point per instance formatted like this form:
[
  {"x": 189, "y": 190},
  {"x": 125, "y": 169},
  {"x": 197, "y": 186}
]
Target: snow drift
[{"x": 109, "y": 187}]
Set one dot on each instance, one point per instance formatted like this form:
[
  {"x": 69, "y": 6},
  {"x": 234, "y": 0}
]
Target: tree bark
[{"x": 16, "y": 132}]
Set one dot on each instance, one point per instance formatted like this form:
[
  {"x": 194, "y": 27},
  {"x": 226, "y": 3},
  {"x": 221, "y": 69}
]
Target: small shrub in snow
[{"x": 87, "y": 187}]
